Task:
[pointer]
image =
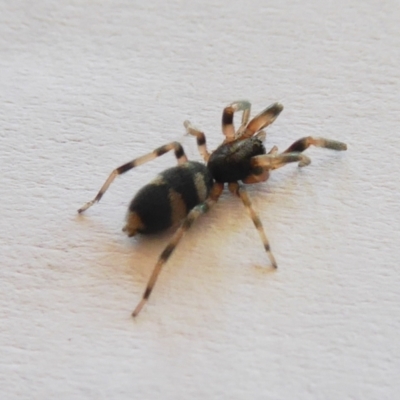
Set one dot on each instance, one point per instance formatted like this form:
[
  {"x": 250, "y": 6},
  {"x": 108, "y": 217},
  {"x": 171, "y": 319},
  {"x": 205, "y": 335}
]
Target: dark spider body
[
  {"x": 231, "y": 162},
  {"x": 166, "y": 200},
  {"x": 187, "y": 191}
]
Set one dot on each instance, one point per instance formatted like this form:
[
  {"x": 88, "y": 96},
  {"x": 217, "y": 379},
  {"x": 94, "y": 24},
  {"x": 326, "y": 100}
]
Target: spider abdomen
[
  {"x": 231, "y": 161},
  {"x": 168, "y": 199}
]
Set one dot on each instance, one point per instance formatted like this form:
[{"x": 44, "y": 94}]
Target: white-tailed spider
[{"x": 181, "y": 194}]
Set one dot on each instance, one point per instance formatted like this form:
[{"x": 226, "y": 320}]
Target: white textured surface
[{"x": 85, "y": 86}]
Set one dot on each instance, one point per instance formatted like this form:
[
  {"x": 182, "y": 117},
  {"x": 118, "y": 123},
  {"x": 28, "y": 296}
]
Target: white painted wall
[{"x": 86, "y": 86}]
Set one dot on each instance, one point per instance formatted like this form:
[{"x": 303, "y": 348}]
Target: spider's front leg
[
  {"x": 241, "y": 192},
  {"x": 193, "y": 215},
  {"x": 305, "y": 142},
  {"x": 228, "y": 129},
  {"x": 294, "y": 153},
  {"x": 179, "y": 154},
  {"x": 261, "y": 120}
]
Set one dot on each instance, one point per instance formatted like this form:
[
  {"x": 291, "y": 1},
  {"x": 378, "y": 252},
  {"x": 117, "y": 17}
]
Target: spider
[{"x": 183, "y": 193}]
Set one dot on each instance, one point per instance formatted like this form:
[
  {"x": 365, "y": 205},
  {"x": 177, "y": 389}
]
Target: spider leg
[
  {"x": 274, "y": 161},
  {"x": 273, "y": 151},
  {"x": 260, "y": 176},
  {"x": 304, "y": 143},
  {"x": 195, "y": 213},
  {"x": 262, "y": 120},
  {"x": 179, "y": 154},
  {"x": 201, "y": 139},
  {"x": 263, "y": 175},
  {"x": 261, "y": 135},
  {"x": 228, "y": 129},
  {"x": 241, "y": 192}
]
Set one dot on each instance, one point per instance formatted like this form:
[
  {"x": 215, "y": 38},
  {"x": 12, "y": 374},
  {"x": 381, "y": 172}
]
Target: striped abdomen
[{"x": 168, "y": 199}]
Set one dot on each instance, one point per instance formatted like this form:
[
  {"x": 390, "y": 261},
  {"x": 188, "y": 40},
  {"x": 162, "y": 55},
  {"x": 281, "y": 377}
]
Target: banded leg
[
  {"x": 262, "y": 120},
  {"x": 241, "y": 192},
  {"x": 195, "y": 213},
  {"x": 264, "y": 174},
  {"x": 228, "y": 129},
  {"x": 201, "y": 139},
  {"x": 304, "y": 143},
  {"x": 179, "y": 154},
  {"x": 261, "y": 135},
  {"x": 273, "y": 151},
  {"x": 274, "y": 161}
]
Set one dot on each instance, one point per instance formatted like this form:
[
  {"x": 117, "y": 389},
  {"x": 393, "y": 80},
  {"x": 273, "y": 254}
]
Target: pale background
[{"x": 86, "y": 86}]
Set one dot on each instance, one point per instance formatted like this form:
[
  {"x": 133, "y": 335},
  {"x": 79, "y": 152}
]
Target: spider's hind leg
[
  {"x": 179, "y": 154},
  {"x": 193, "y": 215}
]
